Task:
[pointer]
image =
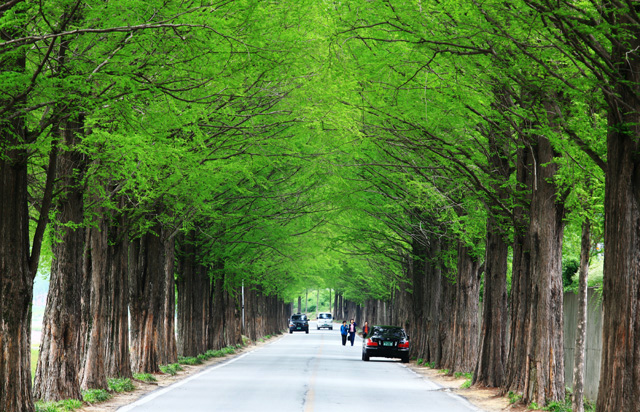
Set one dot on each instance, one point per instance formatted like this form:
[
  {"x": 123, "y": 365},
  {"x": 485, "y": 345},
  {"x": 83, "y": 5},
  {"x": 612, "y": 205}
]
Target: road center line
[{"x": 309, "y": 401}]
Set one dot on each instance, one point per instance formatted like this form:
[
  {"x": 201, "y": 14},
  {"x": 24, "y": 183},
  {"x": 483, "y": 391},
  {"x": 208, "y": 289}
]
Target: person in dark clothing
[
  {"x": 344, "y": 330},
  {"x": 352, "y": 331}
]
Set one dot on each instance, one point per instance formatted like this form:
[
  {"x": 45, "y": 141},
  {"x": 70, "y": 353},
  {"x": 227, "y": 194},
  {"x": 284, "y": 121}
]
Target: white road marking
[{"x": 161, "y": 392}]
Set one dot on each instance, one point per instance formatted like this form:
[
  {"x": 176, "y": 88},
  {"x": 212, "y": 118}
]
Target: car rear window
[
  {"x": 298, "y": 317},
  {"x": 324, "y": 316},
  {"x": 389, "y": 332}
]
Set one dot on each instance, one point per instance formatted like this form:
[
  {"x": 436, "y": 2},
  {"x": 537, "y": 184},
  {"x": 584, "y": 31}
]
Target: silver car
[{"x": 325, "y": 320}]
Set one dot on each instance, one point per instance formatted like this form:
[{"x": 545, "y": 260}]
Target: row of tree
[
  {"x": 154, "y": 155},
  {"x": 434, "y": 156},
  {"x": 490, "y": 128}
]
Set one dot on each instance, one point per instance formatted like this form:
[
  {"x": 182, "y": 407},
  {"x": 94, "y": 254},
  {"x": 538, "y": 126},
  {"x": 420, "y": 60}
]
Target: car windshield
[
  {"x": 298, "y": 317},
  {"x": 388, "y": 332},
  {"x": 324, "y": 316}
]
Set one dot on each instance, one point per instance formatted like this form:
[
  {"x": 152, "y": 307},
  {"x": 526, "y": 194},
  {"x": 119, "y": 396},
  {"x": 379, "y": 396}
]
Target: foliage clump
[
  {"x": 171, "y": 369},
  {"x": 119, "y": 385},
  {"x": 65, "y": 405},
  {"x": 95, "y": 395},
  {"x": 144, "y": 377}
]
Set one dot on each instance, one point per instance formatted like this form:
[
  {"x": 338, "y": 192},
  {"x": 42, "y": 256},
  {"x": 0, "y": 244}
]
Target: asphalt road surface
[{"x": 306, "y": 373}]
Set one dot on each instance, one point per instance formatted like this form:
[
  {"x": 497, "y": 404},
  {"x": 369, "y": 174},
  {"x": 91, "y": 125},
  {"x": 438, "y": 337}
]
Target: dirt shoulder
[
  {"x": 487, "y": 399},
  {"x": 163, "y": 380}
]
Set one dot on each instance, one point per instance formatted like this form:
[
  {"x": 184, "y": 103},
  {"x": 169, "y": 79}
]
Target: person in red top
[
  {"x": 365, "y": 330},
  {"x": 352, "y": 331}
]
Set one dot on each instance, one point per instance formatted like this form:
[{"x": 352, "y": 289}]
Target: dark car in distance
[
  {"x": 386, "y": 342},
  {"x": 298, "y": 323}
]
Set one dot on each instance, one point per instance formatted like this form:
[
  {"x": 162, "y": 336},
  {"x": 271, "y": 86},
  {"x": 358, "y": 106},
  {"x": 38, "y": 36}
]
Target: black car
[
  {"x": 386, "y": 342},
  {"x": 298, "y": 322}
]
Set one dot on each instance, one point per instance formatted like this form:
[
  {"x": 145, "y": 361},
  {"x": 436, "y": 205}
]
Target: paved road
[{"x": 305, "y": 373}]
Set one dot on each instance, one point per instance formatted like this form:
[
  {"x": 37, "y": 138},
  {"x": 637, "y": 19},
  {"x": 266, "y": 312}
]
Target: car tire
[
  {"x": 365, "y": 357},
  {"x": 306, "y": 331},
  {"x": 404, "y": 359},
  {"x": 331, "y": 328},
  {"x": 290, "y": 331}
]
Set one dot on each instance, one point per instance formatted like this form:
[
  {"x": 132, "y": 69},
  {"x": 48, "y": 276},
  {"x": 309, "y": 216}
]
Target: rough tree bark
[
  {"x": 520, "y": 279},
  {"x": 492, "y": 355},
  {"x": 117, "y": 356},
  {"x": 147, "y": 302},
  {"x": 619, "y": 388},
  {"x": 465, "y": 322},
  {"x": 94, "y": 371},
  {"x": 539, "y": 345},
  {"x": 16, "y": 279},
  {"x": 194, "y": 300},
  {"x": 433, "y": 293},
  {"x": 171, "y": 352},
  {"x": 581, "y": 333},
  {"x": 19, "y": 255},
  {"x": 58, "y": 371},
  {"x": 216, "y": 313}
]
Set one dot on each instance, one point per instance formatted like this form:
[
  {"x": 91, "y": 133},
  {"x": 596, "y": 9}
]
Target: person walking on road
[
  {"x": 352, "y": 331},
  {"x": 344, "y": 330},
  {"x": 365, "y": 330}
]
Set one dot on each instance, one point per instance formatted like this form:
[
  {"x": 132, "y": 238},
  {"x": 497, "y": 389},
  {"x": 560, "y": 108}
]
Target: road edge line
[{"x": 151, "y": 396}]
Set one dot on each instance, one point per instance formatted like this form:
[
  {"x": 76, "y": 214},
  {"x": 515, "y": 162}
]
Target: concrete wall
[{"x": 594, "y": 341}]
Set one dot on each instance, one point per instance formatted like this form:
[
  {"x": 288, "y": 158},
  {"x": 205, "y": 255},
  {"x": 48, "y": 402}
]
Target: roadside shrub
[
  {"x": 466, "y": 384},
  {"x": 189, "y": 360},
  {"x": 144, "y": 377},
  {"x": 171, "y": 369},
  {"x": 121, "y": 385},
  {"x": 65, "y": 405},
  {"x": 465, "y": 375},
  {"x": 514, "y": 397},
  {"x": 95, "y": 395},
  {"x": 228, "y": 350}
]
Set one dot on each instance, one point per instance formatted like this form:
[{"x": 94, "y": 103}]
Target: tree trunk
[
  {"x": 434, "y": 293},
  {"x": 58, "y": 371},
  {"x": 94, "y": 371},
  {"x": 148, "y": 290},
  {"x": 542, "y": 367},
  {"x": 619, "y": 388},
  {"x": 581, "y": 333},
  {"x": 171, "y": 352},
  {"x": 117, "y": 356},
  {"x": 16, "y": 280},
  {"x": 216, "y": 311},
  {"x": 492, "y": 354},
  {"x": 465, "y": 322},
  {"x": 194, "y": 301}
]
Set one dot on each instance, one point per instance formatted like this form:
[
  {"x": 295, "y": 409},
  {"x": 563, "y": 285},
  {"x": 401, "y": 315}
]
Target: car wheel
[
  {"x": 331, "y": 328},
  {"x": 365, "y": 357},
  {"x": 306, "y": 331},
  {"x": 290, "y": 331},
  {"x": 405, "y": 359}
]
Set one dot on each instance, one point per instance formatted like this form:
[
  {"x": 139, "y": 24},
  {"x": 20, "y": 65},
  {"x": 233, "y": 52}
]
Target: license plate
[
  {"x": 387, "y": 343},
  {"x": 298, "y": 327}
]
